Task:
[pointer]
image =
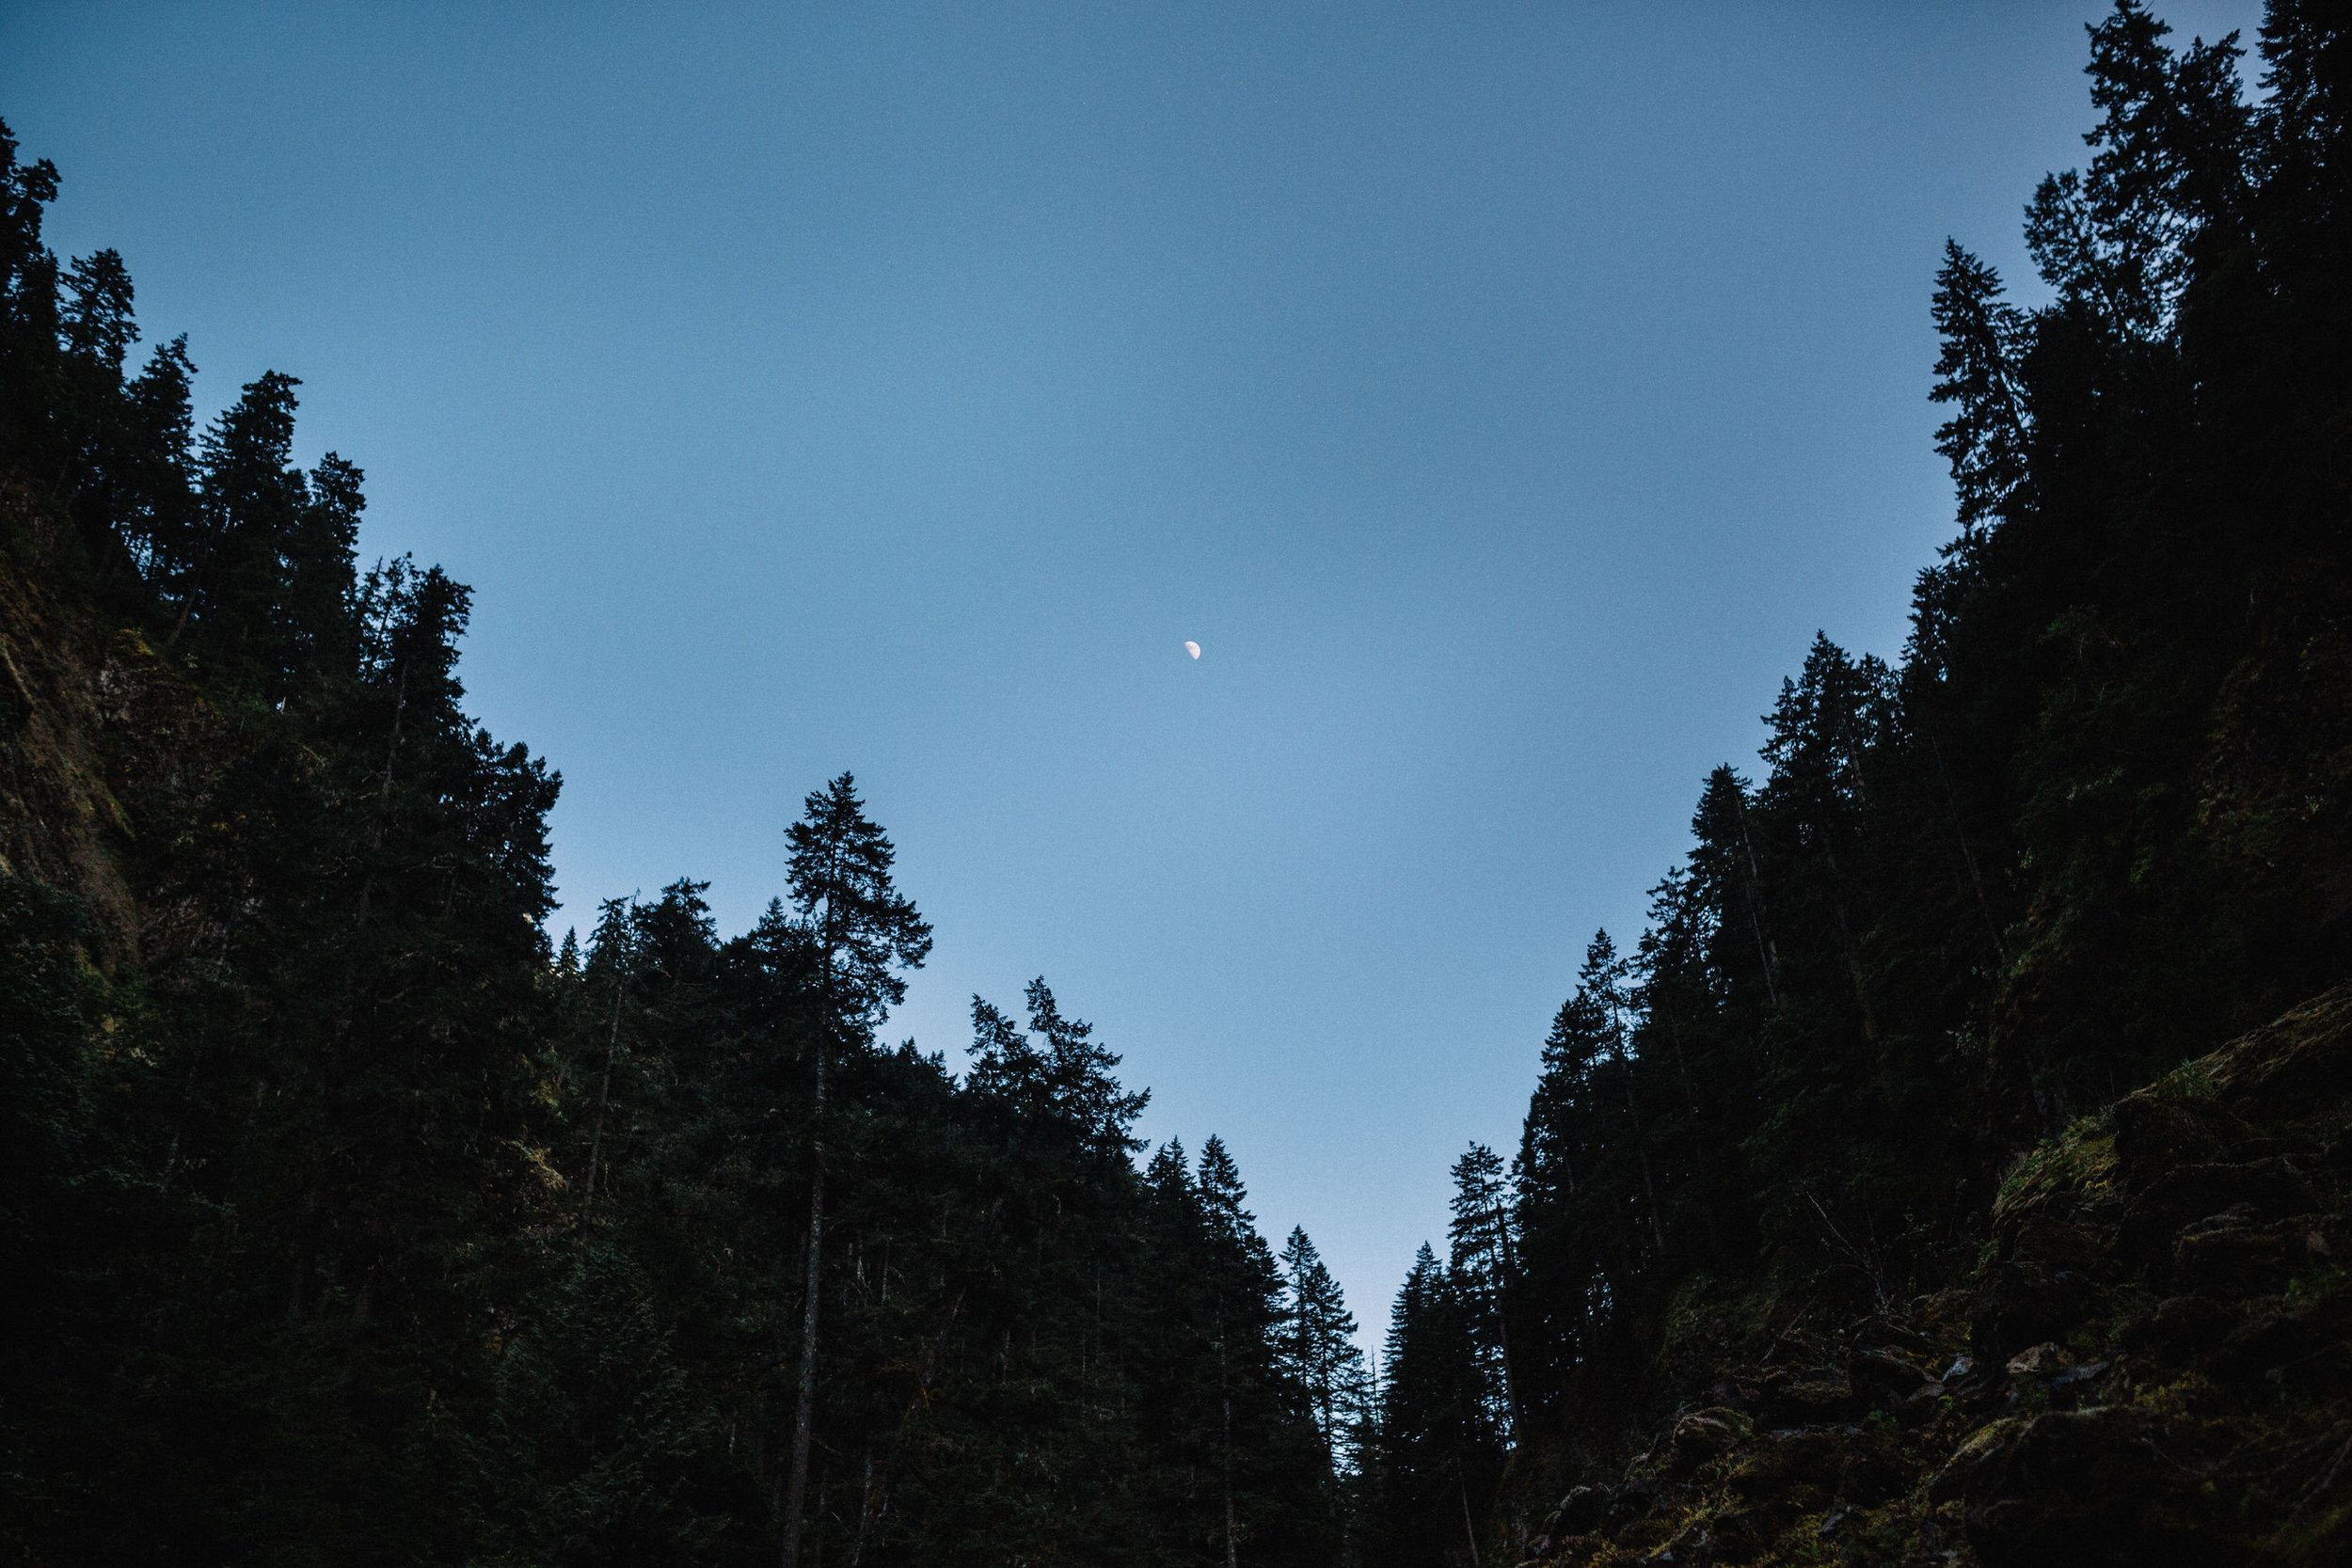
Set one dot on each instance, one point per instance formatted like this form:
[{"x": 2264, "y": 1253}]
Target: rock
[
  {"x": 1789, "y": 1459},
  {"x": 1923, "y": 1405},
  {"x": 1736, "y": 1535},
  {"x": 1882, "y": 1372},
  {"x": 1634, "y": 1534},
  {"x": 1729, "y": 1393},
  {"x": 1874, "y": 1469},
  {"x": 2074, "y": 1377},
  {"x": 2181, "y": 1328},
  {"x": 2232, "y": 1251},
  {"x": 2042, "y": 1360},
  {"x": 2026, "y": 1302},
  {"x": 1581, "y": 1512},
  {"x": 2056, "y": 1242},
  {"x": 1952, "y": 1480},
  {"x": 2070, "y": 1387},
  {"x": 1699, "y": 1437},
  {"x": 1807, "y": 1398},
  {"x": 2282, "y": 1071},
  {"x": 1629, "y": 1505},
  {"x": 2073, "y": 1488},
  {"x": 2264, "y": 1189},
  {"x": 2306, "y": 1342},
  {"x": 2153, "y": 1136},
  {"x": 1878, "y": 1334}
]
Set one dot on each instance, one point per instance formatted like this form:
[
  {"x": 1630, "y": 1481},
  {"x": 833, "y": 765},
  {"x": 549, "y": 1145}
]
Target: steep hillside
[
  {"x": 105, "y": 749},
  {"x": 346, "y": 1217},
  {"x": 2149, "y": 1364},
  {"x": 2094, "y": 821}
]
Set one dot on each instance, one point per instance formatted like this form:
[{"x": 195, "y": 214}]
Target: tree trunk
[
  {"x": 1641, "y": 1144},
  {"x": 1764, "y": 950},
  {"x": 804, "y": 1420},
  {"x": 1225, "y": 1396},
  {"x": 1506, "y": 1290},
  {"x": 1967, "y": 855},
  {"x": 604, "y": 1094}
]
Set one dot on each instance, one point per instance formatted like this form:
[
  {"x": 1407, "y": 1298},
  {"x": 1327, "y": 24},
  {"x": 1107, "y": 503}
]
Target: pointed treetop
[
  {"x": 865, "y": 930},
  {"x": 1222, "y": 1194}
]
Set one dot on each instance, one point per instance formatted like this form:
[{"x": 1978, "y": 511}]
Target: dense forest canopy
[{"x": 349, "y": 1217}]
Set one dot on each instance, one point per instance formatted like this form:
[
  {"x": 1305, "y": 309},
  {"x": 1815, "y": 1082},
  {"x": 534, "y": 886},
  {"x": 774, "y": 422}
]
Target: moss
[{"x": 2079, "y": 1160}]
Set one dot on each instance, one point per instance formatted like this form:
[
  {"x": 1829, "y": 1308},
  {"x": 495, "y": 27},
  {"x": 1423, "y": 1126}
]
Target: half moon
[{"x": 1193, "y": 648}]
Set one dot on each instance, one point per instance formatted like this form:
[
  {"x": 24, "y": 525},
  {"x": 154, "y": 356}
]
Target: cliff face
[
  {"x": 108, "y": 757},
  {"x": 2152, "y": 1362}
]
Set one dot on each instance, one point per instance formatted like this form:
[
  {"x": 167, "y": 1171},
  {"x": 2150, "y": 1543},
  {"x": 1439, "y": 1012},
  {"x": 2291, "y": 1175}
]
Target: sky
[{"x": 1501, "y": 395}]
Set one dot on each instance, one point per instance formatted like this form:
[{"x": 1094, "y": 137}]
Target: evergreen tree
[
  {"x": 863, "y": 932},
  {"x": 1318, "y": 1342},
  {"x": 1482, "y": 1261}
]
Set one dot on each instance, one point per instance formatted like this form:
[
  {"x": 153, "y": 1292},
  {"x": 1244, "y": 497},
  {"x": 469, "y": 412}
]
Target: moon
[{"x": 1193, "y": 648}]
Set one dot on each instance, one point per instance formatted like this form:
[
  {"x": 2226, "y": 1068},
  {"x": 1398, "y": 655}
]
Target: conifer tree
[
  {"x": 1318, "y": 1341},
  {"x": 1481, "y": 1257},
  {"x": 864, "y": 933},
  {"x": 1984, "y": 440}
]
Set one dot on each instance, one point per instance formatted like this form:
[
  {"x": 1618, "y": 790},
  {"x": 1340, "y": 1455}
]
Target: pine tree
[
  {"x": 863, "y": 932},
  {"x": 1318, "y": 1342},
  {"x": 1984, "y": 440},
  {"x": 1481, "y": 1256}
]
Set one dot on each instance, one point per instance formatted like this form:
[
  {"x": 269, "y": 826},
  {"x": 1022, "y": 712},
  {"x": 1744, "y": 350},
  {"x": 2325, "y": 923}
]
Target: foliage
[
  {"x": 346, "y": 1219},
  {"x": 2094, "y": 821}
]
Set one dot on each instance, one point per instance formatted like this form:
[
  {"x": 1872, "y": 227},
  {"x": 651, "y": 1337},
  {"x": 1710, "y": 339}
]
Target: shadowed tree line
[
  {"x": 2095, "y": 821},
  {"x": 347, "y": 1219}
]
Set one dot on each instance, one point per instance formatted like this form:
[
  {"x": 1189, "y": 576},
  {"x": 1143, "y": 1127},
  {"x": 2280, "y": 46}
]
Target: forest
[{"x": 1951, "y": 1170}]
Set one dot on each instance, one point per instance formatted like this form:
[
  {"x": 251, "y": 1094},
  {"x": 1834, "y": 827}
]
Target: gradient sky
[{"x": 1501, "y": 395}]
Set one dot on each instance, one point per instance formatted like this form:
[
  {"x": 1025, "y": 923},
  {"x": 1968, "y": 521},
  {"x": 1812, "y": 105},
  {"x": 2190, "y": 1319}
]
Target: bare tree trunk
[
  {"x": 1463, "y": 1482},
  {"x": 1641, "y": 1144},
  {"x": 1507, "y": 1289},
  {"x": 1764, "y": 950},
  {"x": 1226, "y": 1396},
  {"x": 804, "y": 1420},
  {"x": 604, "y": 1094},
  {"x": 1640, "y": 1147}
]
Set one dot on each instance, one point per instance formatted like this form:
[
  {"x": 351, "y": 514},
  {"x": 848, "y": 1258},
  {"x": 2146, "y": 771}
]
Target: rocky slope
[
  {"x": 2150, "y": 1363},
  {"x": 109, "y": 758}
]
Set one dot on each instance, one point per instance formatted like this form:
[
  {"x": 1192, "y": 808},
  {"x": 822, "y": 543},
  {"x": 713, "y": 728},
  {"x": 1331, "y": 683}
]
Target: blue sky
[{"x": 1501, "y": 395}]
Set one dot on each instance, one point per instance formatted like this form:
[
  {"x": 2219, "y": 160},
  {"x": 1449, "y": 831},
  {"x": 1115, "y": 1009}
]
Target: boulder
[
  {"x": 2235, "y": 1252},
  {"x": 1699, "y": 1437},
  {"x": 1876, "y": 1332},
  {"x": 1884, "y": 1374},
  {"x": 1873, "y": 1468},
  {"x": 1952, "y": 1482},
  {"x": 1788, "y": 1459},
  {"x": 2070, "y": 1489},
  {"x": 2179, "y": 1330},
  {"x": 2308, "y": 1345},
  {"x": 1793, "y": 1398},
  {"x": 2263, "y": 1189},
  {"x": 2042, "y": 1360},
  {"x": 1581, "y": 1512},
  {"x": 2025, "y": 1303},
  {"x": 2153, "y": 1136},
  {"x": 1923, "y": 1405},
  {"x": 1735, "y": 1535}
]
